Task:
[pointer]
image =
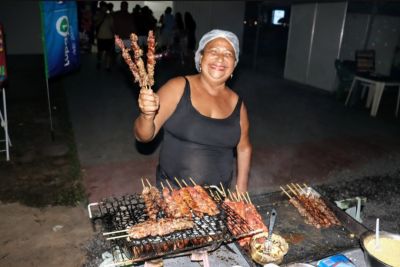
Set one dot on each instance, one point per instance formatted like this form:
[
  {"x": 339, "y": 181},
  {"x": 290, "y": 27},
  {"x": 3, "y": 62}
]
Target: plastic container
[{"x": 338, "y": 260}]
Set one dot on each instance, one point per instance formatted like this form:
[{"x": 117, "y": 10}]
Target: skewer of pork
[
  {"x": 309, "y": 206},
  {"x": 186, "y": 197},
  {"x": 202, "y": 199},
  {"x": 151, "y": 205},
  {"x": 161, "y": 227},
  {"x": 314, "y": 210},
  {"x": 178, "y": 200},
  {"x": 311, "y": 209},
  {"x": 309, "y": 219},
  {"x": 176, "y": 207},
  {"x": 327, "y": 218},
  {"x": 322, "y": 206},
  {"x": 242, "y": 206}
]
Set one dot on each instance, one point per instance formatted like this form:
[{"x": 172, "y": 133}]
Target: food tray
[{"x": 306, "y": 243}]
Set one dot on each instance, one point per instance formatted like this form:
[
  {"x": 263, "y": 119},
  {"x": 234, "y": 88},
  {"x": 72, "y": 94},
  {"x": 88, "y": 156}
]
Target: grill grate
[{"x": 116, "y": 214}]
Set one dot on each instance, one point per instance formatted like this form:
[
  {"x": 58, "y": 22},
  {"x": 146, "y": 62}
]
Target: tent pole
[
  {"x": 50, "y": 114},
  {"x": 4, "y": 124}
]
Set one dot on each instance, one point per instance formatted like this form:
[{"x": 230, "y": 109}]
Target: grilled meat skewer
[{"x": 161, "y": 227}]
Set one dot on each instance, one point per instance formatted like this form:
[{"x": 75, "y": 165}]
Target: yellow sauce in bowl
[{"x": 388, "y": 251}]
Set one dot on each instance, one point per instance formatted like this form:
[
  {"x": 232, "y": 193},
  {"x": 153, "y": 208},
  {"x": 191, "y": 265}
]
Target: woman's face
[{"x": 218, "y": 60}]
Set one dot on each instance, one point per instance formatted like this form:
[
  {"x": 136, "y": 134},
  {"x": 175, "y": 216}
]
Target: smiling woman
[{"x": 204, "y": 121}]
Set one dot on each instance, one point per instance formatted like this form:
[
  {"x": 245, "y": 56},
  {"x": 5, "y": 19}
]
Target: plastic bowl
[
  {"x": 279, "y": 249},
  {"x": 371, "y": 260}
]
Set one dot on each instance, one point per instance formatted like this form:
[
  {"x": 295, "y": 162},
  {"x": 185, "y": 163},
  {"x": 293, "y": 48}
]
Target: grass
[{"x": 35, "y": 176}]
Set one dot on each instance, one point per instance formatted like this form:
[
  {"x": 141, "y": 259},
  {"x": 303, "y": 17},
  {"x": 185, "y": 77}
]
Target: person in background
[
  {"x": 124, "y": 24},
  {"x": 167, "y": 22},
  {"x": 204, "y": 121},
  {"x": 148, "y": 23},
  {"x": 179, "y": 40},
  {"x": 105, "y": 35},
  {"x": 190, "y": 29}
]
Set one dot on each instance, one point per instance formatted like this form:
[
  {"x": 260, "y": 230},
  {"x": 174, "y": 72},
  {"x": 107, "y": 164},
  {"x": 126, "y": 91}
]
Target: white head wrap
[{"x": 214, "y": 34}]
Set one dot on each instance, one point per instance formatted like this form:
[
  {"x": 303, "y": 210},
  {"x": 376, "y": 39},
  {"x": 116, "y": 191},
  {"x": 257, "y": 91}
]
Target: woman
[{"x": 203, "y": 119}]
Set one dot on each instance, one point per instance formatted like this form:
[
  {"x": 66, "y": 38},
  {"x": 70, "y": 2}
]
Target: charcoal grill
[{"x": 116, "y": 214}]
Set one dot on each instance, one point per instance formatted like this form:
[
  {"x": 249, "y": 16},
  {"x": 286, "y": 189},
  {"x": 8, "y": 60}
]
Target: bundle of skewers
[
  {"x": 143, "y": 75},
  {"x": 310, "y": 206},
  {"x": 241, "y": 204}
]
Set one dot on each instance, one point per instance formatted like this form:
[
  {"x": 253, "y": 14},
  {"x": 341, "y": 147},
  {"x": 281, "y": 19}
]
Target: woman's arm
[
  {"x": 156, "y": 108},
  {"x": 244, "y": 150}
]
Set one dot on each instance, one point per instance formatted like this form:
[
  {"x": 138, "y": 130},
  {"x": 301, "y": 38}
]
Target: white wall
[
  {"x": 299, "y": 42},
  {"x": 314, "y": 42},
  {"x": 384, "y": 36},
  {"x": 226, "y": 15},
  {"x": 22, "y": 27}
]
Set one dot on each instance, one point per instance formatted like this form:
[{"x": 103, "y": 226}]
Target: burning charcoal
[
  {"x": 147, "y": 248},
  {"x": 136, "y": 251},
  {"x": 180, "y": 244}
]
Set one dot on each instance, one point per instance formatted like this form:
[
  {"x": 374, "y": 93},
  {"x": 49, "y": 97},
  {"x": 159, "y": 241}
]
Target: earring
[
  {"x": 231, "y": 75},
  {"x": 199, "y": 68}
]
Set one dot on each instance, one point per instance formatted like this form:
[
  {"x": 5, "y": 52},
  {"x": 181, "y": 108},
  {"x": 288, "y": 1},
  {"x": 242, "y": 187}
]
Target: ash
[
  {"x": 94, "y": 250},
  {"x": 383, "y": 199}
]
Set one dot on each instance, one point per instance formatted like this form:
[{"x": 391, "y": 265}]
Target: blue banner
[
  {"x": 60, "y": 36},
  {"x": 3, "y": 66}
]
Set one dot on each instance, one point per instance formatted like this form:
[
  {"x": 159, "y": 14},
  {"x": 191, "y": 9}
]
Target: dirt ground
[
  {"x": 43, "y": 218},
  {"x": 51, "y": 236}
]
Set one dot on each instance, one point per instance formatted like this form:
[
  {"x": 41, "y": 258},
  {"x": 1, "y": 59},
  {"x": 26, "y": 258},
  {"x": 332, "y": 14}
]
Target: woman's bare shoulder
[{"x": 174, "y": 85}]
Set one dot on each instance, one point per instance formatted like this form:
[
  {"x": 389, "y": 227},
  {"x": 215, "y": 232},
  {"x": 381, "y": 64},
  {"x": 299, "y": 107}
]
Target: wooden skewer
[
  {"x": 238, "y": 193},
  {"x": 305, "y": 185},
  {"x": 148, "y": 182},
  {"x": 211, "y": 193},
  {"x": 248, "y": 196},
  {"x": 230, "y": 195},
  {"x": 178, "y": 182},
  {"x": 169, "y": 185},
  {"x": 223, "y": 189},
  {"x": 239, "y": 199},
  {"x": 301, "y": 189},
  {"x": 117, "y": 237},
  {"x": 294, "y": 192},
  {"x": 235, "y": 197},
  {"x": 218, "y": 196},
  {"x": 244, "y": 198},
  {"x": 295, "y": 188},
  {"x": 183, "y": 181},
  {"x": 115, "y": 232},
  {"x": 193, "y": 182},
  {"x": 143, "y": 183},
  {"x": 162, "y": 185},
  {"x": 284, "y": 191}
]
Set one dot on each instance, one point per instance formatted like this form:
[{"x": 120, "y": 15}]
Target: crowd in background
[{"x": 175, "y": 34}]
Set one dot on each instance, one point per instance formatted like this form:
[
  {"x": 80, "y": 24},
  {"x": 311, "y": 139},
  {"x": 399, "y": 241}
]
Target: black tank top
[{"x": 198, "y": 146}]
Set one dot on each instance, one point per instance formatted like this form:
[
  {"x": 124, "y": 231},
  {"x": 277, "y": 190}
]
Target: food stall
[
  {"x": 222, "y": 234},
  {"x": 177, "y": 225}
]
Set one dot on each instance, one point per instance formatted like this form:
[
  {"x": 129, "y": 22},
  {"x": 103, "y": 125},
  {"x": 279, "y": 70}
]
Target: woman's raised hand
[{"x": 149, "y": 103}]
